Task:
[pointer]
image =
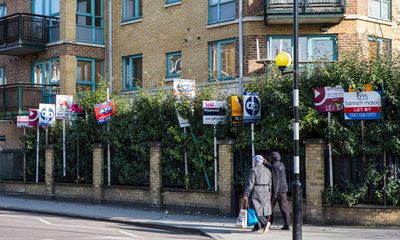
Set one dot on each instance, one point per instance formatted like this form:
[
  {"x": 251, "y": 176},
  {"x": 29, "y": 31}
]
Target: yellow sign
[
  {"x": 237, "y": 110},
  {"x": 237, "y": 106},
  {"x": 368, "y": 87}
]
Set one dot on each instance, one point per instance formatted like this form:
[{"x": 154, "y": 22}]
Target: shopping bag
[
  {"x": 251, "y": 217},
  {"x": 241, "y": 221}
]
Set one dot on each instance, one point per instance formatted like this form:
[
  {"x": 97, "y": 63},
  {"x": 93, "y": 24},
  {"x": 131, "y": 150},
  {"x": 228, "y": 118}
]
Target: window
[
  {"x": 131, "y": 9},
  {"x": 3, "y": 10},
  {"x": 172, "y": 1},
  {"x": 49, "y": 8},
  {"x": 46, "y": 72},
  {"x": 88, "y": 73},
  {"x": 174, "y": 64},
  {"x": 378, "y": 47},
  {"x": 89, "y": 21},
  {"x": 311, "y": 48},
  {"x": 221, "y": 10},
  {"x": 2, "y": 77},
  {"x": 132, "y": 72},
  {"x": 379, "y": 9},
  {"x": 222, "y": 60}
]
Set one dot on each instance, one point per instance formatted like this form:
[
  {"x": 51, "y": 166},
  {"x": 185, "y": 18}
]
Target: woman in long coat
[{"x": 258, "y": 189}]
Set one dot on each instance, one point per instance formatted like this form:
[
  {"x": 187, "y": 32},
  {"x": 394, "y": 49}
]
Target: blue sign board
[{"x": 252, "y": 107}]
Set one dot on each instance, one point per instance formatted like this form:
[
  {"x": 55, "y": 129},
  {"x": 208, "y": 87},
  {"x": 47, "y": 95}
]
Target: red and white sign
[
  {"x": 328, "y": 99},
  {"x": 22, "y": 121},
  {"x": 33, "y": 117},
  {"x": 104, "y": 111},
  {"x": 362, "y": 105}
]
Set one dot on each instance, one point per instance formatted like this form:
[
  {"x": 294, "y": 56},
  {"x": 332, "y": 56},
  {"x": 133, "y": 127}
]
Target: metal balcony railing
[
  {"x": 25, "y": 33},
  {"x": 321, "y": 11},
  {"x": 17, "y": 98}
]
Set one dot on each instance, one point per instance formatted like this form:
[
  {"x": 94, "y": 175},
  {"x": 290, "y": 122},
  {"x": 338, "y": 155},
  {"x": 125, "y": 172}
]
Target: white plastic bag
[{"x": 241, "y": 221}]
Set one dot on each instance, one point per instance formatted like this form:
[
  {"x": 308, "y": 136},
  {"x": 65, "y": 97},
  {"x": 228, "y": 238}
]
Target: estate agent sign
[{"x": 362, "y": 105}]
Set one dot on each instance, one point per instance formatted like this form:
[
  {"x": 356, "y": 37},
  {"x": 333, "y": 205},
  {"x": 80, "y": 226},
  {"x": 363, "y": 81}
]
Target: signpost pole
[
  {"x": 37, "y": 152},
  {"x": 364, "y": 159},
  {"x": 215, "y": 160},
  {"x": 186, "y": 164},
  {"x": 47, "y": 135},
  {"x": 108, "y": 147},
  {"x": 253, "y": 150},
  {"x": 330, "y": 152},
  {"x": 64, "y": 152},
  {"x": 24, "y": 160}
]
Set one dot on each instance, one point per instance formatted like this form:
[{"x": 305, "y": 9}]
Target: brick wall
[
  {"x": 373, "y": 216},
  {"x": 253, "y": 7},
  {"x": 12, "y": 133},
  {"x": 15, "y": 6}
]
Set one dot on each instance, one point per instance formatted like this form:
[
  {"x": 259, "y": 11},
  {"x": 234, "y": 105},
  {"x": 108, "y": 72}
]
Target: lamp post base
[{"x": 297, "y": 216}]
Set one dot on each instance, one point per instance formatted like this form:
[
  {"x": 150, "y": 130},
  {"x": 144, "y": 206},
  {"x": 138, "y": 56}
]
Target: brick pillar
[
  {"x": 315, "y": 181},
  {"x": 98, "y": 176},
  {"x": 68, "y": 20},
  {"x": 68, "y": 74},
  {"x": 225, "y": 176},
  {"x": 155, "y": 174},
  {"x": 49, "y": 170}
]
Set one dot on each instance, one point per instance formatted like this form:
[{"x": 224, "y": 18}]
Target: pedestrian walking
[
  {"x": 258, "y": 190},
  {"x": 279, "y": 188}
]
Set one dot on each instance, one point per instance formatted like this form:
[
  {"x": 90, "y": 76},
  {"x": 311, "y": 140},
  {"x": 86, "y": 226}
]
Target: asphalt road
[{"x": 29, "y": 226}]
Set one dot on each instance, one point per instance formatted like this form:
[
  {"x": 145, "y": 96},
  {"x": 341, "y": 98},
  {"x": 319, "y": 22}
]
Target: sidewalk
[{"x": 215, "y": 226}]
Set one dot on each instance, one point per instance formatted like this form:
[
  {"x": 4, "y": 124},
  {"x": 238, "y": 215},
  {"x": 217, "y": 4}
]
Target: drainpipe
[
  {"x": 240, "y": 46},
  {"x": 110, "y": 63},
  {"x": 109, "y": 90}
]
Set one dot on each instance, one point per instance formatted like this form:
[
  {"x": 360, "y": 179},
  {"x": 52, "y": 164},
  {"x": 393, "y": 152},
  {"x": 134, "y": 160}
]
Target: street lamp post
[{"x": 283, "y": 60}]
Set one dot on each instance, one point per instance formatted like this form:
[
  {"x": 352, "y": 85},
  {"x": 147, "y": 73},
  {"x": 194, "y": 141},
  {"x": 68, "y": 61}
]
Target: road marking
[
  {"x": 130, "y": 234},
  {"x": 44, "y": 221}
]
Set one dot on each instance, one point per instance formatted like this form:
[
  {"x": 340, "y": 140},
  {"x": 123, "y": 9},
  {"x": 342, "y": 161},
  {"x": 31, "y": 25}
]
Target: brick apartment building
[{"x": 63, "y": 48}]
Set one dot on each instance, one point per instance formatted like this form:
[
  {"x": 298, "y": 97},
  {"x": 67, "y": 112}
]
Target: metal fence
[
  {"x": 31, "y": 165},
  {"x": 11, "y": 165},
  {"x": 348, "y": 169},
  {"x": 127, "y": 168},
  {"x": 79, "y": 164},
  {"x": 174, "y": 172}
]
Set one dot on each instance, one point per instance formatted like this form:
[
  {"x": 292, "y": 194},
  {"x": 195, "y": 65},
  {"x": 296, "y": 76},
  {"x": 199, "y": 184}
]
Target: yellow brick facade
[{"x": 184, "y": 27}]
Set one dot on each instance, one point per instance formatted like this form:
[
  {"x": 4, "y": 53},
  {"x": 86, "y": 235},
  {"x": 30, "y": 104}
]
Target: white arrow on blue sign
[{"x": 252, "y": 107}]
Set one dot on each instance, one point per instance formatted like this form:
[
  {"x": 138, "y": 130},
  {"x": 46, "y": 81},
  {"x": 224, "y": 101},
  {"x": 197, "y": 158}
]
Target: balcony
[
  {"x": 310, "y": 11},
  {"x": 17, "y": 98},
  {"x": 23, "y": 34}
]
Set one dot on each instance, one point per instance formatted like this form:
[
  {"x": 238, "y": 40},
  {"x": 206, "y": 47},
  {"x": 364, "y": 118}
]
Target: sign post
[
  {"x": 23, "y": 122},
  {"x": 329, "y": 99},
  {"x": 34, "y": 121},
  {"x": 214, "y": 112},
  {"x": 62, "y": 111},
  {"x": 252, "y": 113}
]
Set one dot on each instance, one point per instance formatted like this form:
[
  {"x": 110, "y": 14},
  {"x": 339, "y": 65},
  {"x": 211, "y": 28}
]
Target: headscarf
[
  {"x": 258, "y": 159},
  {"x": 275, "y": 156}
]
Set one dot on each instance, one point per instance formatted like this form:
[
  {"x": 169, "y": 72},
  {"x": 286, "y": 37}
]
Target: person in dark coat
[
  {"x": 258, "y": 189},
  {"x": 279, "y": 188}
]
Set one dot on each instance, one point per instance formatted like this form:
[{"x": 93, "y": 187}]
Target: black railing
[
  {"x": 17, "y": 98},
  {"x": 305, "y": 6},
  {"x": 29, "y": 30}
]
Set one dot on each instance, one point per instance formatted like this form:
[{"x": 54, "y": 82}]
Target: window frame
[
  {"x": 138, "y": 4},
  {"x": 93, "y": 69},
  {"x": 93, "y": 16},
  {"x": 381, "y": 10},
  {"x": 309, "y": 38},
  {"x": 172, "y": 54},
  {"x": 3, "y": 76},
  {"x": 381, "y": 40},
  {"x": 3, "y": 10},
  {"x": 219, "y": 43},
  {"x": 218, "y": 5},
  {"x": 43, "y": 64},
  {"x": 172, "y": 1},
  {"x": 132, "y": 87}
]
